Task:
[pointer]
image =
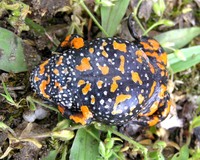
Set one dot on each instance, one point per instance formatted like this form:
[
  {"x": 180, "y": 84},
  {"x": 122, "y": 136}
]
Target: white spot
[
  {"x": 68, "y": 62},
  {"x": 126, "y": 107},
  {"x": 109, "y": 100},
  {"x": 106, "y": 106},
  {"x": 147, "y": 77},
  {"x": 101, "y": 101}
]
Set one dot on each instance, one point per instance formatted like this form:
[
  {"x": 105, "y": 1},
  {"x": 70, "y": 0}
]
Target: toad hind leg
[
  {"x": 158, "y": 116},
  {"x": 83, "y": 117}
]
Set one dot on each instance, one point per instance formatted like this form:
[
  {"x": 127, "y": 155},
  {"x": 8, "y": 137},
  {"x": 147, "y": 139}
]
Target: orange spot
[
  {"x": 59, "y": 62},
  {"x": 163, "y": 58},
  {"x": 121, "y": 66},
  {"x": 163, "y": 88},
  {"x": 104, "y": 53},
  {"x": 120, "y": 98},
  {"x": 85, "y": 65},
  {"x": 146, "y": 45},
  {"x": 166, "y": 74},
  {"x": 82, "y": 117},
  {"x": 154, "y": 121},
  {"x": 104, "y": 44},
  {"x": 167, "y": 109},
  {"x": 162, "y": 67},
  {"x": 139, "y": 59},
  {"x": 61, "y": 109},
  {"x": 42, "y": 87},
  {"x": 36, "y": 79},
  {"x": 66, "y": 41},
  {"x": 162, "y": 73},
  {"x": 127, "y": 89},
  {"x": 155, "y": 45},
  {"x": 139, "y": 53},
  {"x": 153, "y": 109},
  {"x": 91, "y": 50},
  {"x": 152, "y": 89},
  {"x": 92, "y": 100},
  {"x": 81, "y": 82},
  {"x": 86, "y": 89},
  {"x": 58, "y": 85},
  {"x": 77, "y": 43},
  {"x": 119, "y": 46},
  {"x": 99, "y": 84},
  {"x": 114, "y": 85},
  {"x": 136, "y": 77},
  {"x": 151, "y": 68},
  {"x": 132, "y": 108},
  {"x": 56, "y": 71},
  {"x": 140, "y": 98},
  {"x": 42, "y": 66},
  {"x": 153, "y": 54},
  {"x": 104, "y": 69}
]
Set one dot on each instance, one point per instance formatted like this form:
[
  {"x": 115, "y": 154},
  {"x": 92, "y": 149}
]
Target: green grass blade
[
  {"x": 183, "y": 154},
  {"x": 7, "y": 94},
  {"x": 111, "y": 16},
  {"x": 192, "y": 57},
  {"x": 38, "y": 29},
  {"x": 85, "y": 146},
  {"x": 178, "y": 38},
  {"x": 51, "y": 156}
]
